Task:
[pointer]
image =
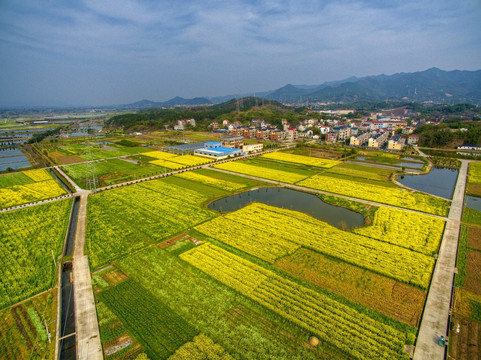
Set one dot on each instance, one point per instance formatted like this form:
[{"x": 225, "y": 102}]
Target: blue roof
[
  {"x": 212, "y": 143},
  {"x": 223, "y": 149}
]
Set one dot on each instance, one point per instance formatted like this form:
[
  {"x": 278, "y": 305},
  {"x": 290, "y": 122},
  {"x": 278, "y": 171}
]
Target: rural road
[
  {"x": 87, "y": 329},
  {"x": 436, "y": 311}
]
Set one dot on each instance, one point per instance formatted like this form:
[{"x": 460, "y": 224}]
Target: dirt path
[
  {"x": 436, "y": 311},
  {"x": 87, "y": 329}
]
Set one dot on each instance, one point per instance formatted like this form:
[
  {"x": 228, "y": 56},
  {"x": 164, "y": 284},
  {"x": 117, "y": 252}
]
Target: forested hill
[{"x": 243, "y": 110}]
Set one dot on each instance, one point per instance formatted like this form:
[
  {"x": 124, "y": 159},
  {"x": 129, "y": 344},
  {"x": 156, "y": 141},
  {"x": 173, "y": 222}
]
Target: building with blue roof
[{"x": 214, "y": 150}]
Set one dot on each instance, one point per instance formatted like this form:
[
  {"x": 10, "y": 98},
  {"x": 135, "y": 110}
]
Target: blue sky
[{"x": 100, "y": 52}]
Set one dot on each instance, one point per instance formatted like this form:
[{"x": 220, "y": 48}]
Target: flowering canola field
[
  {"x": 301, "y": 159},
  {"x": 269, "y": 233},
  {"x": 418, "y": 232},
  {"x": 175, "y": 162},
  {"x": 28, "y": 238},
  {"x": 260, "y": 171},
  {"x": 349, "y": 330},
  {"x": 381, "y": 194},
  {"x": 39, "y": 185},
  {"x": 475, "y": 173},
  {"x": 210, "y": 181}
]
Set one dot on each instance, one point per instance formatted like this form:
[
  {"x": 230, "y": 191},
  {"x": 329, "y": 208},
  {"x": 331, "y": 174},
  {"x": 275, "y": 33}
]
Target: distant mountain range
[
  {"x": 432, "y": 85},
  {"x": 177, "y": 101}
]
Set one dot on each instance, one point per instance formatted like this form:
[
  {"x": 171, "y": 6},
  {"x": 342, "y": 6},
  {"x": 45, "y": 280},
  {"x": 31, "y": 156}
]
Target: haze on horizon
[{"x": 91, "y": 52}]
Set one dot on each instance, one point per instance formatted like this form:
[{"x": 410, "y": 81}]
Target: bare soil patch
[
  {"x": 114, "y": 277},
  {"x": 474, "y": 238}
]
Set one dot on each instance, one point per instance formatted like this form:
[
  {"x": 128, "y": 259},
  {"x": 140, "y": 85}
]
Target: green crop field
[
  {"x": 244, "y": 328},
  {"x": 155, "y": 326},
  {"x": 22, "y": 331},
  {"x": 126, "y": 219},
  {"x": 29, "y": 238}
]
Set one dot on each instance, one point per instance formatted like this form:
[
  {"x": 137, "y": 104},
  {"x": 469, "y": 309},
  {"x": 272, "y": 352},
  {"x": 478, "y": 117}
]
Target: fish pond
[
  {"x": 439, "y": 182},
  {"x": 293, "y": 200}
]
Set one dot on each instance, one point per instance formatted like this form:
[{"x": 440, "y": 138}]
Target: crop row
[
  {"x": 301, "y": 159},
  {"x": 281, "y": 226},
  {"x": 201, "y": 348},
  {"x": 255, "y": 333},
  {"x": 210, "y": 181},
  {"x": 352, "y": 332},
  {"x": 380, "y": 194},
  {"x": 417, "y": 232},
  {"x": 30, "y": 237},
  {"x": 262, "y": 172},
  {"x": 126, "y": 219},
  {"x": 158, "y": 329},
  {"x": 261, "y": 240}
]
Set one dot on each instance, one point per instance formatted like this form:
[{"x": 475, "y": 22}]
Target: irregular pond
[
  {"x": 473, "y": 202},
  {"x": 439, "y": 182},
  {"x": 339, "y": 217}
]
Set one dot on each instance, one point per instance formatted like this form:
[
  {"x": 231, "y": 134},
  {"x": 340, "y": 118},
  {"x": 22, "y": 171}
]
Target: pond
[
  {"x": 12, "y": 158},
  {"x": 408, "y": 164},
  {"x": 439, "y": 182},
  {"x": 293, "y": 200},
  {"x": 473, "y": 202}
]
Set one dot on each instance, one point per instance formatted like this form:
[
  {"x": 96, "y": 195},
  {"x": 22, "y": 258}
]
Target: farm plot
[
  {"x": 211, "y": 181},
  {"x": 155, "y": 326},
  {"x": 28, "y": 186},
  {"x": 269, "y": 232},
  {"x": 394, "y": 299},
  {"x": 417, "y": 232},
  {"x": 301, "y": 159},
  {"x": 241, "y": 326},
  {"x": 201, "y": 348},
  {"x": 261, "y": 171},
  {"x": 380, "y": 194},
  {"x": 30, "y": 237},
  {"x": 190, "y": 160},
  {"x": 355, "y": 334},
  {"x": 113, "y": 226},
  {"x": 22, "y": 331},
  {"x": 110, "y": 171},
  {"x": 360, "y": 171},
  {"x": 475, "y": 173}
]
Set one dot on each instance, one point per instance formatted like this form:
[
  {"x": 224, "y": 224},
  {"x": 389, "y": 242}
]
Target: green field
[
  {"x": 22, "y": 331},
  {"x": 155, "y": 326},
  {"x": 111, "y": 171},
  {"x": 165, "y": 208},
  {"x": 30, "y": 237},
  {"x": 244, "y": 328}
]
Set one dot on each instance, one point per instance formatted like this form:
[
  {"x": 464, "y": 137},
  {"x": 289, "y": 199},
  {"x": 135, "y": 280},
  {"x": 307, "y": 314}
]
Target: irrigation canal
[{"x": 67, "y": 339}]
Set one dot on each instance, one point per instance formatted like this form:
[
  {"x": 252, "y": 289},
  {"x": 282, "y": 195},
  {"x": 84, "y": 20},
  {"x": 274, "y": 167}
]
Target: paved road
[
  {"x": 88, "y": 335},
  {"x": 436, "y": 312}
]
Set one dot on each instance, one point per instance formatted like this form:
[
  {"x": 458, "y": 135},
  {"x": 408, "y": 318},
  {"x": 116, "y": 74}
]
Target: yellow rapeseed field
[
  {"x": 377, "y": 193},
  {"x": 262, "y": 172},
  {"x": 301, "y": 159}
]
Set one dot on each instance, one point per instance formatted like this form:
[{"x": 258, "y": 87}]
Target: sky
[{"x": 106, "y": 52}]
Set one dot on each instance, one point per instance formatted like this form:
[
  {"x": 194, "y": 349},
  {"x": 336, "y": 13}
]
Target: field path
[
  {"x": 436, "y": 311},
  {"x": 87, "y": 328}
]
